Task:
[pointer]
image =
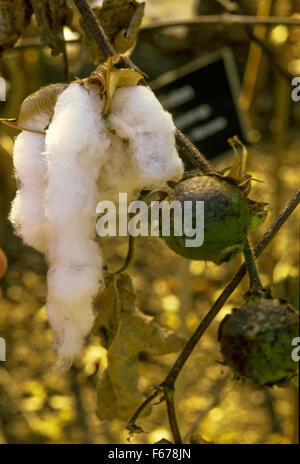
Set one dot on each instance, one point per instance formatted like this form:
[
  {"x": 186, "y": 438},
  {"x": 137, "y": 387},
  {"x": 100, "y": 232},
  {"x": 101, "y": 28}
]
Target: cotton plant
[{"x": 75, "y": 151}]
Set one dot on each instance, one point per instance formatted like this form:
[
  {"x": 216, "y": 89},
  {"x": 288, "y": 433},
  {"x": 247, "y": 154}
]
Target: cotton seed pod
[
  {"x": 256, "y": 341},
  {"x": 228, "y": 216}
]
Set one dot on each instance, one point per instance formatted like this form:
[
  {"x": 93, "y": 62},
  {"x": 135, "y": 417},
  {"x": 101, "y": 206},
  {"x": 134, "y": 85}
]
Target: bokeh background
[{"x": 39, "y": 406}]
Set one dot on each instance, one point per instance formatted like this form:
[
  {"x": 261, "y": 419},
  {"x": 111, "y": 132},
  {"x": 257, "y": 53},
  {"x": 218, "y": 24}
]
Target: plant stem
[
  {"x": 169, "y": 397},
  {"x": 192, "y": 154},
  {"x": 270, "y": 55},
  {"x": 226, "y": 18},
  {"x": 131, "y": 426},
  {"x": 255, "y": 283},
  {"x": 129, "y": 256},
  {"x": 66, "y": 63},
  {"x": 95, "y": 28}
]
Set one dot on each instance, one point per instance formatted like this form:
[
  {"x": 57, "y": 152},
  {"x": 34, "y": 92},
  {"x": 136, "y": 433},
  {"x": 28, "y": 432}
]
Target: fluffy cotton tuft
[
  {"x": 27, "y": 212},
  {"x": 137, "y": 116},
  {"x": 76, "y": 147},
  {"x": 86, "y": 158}
]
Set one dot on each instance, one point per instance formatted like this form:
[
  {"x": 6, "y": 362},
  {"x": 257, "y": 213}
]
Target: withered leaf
[
  {"x": 125, "y": 331},
  {"x": 120, "y": 20},
  {"x": 51, "y": 16},
  {"x": 14, "y": 18}
]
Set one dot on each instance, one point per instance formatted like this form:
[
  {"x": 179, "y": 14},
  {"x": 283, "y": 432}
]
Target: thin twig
[
  {"x": 129, "y": 256},
  {"x": 246, "y": 20},
  {"x": 262, "y": 44},
  {"x": 95, "y": 28},
  {"x": 270, "y": 55},
  {"x": 192, "y": 154},
  {"x": 170, "y": 379},
  {"x": 131, "y": 426},
  {"x": 169, "y": 397},
  {"x": 226, "y": 18},
  {"x": 66, "y": 63}
]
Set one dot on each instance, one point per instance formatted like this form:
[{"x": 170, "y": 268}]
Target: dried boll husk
[
  {"x": 256, "y": 341},
  {"x": 51, "y": 17},
  {"x": 37, "y": 110},
  {"x": 228, "y": 216},
  {"x": 14, "y": 18},
  {"x": 120, "y": 20}
]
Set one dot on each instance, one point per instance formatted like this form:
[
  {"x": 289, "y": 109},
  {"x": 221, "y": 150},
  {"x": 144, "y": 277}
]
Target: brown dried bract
[
  {"x": 110, "y": 75},
  {"x": 37, "y": 109}
]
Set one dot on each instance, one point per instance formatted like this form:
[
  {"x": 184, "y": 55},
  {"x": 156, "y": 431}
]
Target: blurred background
[{"x": 39, "y": 406}]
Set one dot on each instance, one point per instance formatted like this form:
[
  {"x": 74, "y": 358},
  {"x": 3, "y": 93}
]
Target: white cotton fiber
[
  {"x": 138, "y": 117},
  {"x": 76, "y": 146},
  {"x": 27, "y": 212},
  {"x": 86, "y": 158}
]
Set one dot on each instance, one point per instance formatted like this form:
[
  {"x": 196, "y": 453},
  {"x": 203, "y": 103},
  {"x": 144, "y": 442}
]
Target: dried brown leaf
[
  {"x": 120, "y": 20},
  {"x": 37, "y": 109},
  {"x": 51, "y": 17},
  {"x": 126, "y": 332},
  {"x": 14, "y": 18}
]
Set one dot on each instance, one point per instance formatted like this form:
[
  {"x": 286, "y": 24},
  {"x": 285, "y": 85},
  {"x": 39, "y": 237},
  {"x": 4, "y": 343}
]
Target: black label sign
[{"x": 202, "y": 97}]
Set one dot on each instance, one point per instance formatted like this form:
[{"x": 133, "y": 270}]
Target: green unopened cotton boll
[
  {"x": 228, "y": 216},
  {"x": 256, "y": 341}
]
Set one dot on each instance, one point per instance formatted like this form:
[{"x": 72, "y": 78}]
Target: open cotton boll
[
  {"x": 76, "y": 148},
  {"x": 86, "y": 158},
  {"x": 27, "y": 212},
  {"x": 137, "y": 116}
]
